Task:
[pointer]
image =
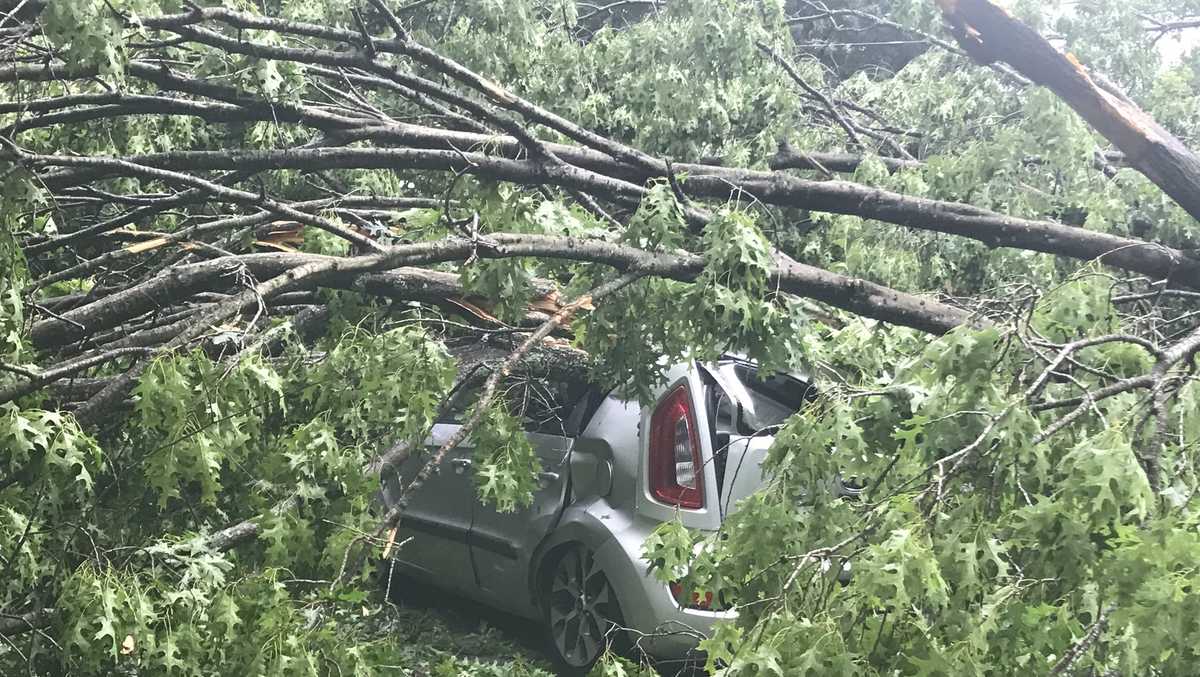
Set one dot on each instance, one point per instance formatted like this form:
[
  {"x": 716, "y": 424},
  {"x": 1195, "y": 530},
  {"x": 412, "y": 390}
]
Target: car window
[
  {"x": 765, "y": 402},
  {"x": 543, "y": 405}
]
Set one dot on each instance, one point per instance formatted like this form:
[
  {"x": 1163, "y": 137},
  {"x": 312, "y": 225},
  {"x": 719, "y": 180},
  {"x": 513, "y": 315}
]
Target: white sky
[{"x": 1174, "y": 46}]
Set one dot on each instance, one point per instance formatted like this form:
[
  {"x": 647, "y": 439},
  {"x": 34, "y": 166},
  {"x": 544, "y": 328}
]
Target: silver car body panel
[{"x": 743, "y": 469}]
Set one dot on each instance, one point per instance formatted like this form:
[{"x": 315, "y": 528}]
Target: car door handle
[
  {"x": 545, "y": 479},
  {"x": 460, "y": 465}
]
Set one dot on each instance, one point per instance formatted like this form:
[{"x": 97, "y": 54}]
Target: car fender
[
  {"x": 597, "y": 525},
  {"x": 593, "y": 525}
]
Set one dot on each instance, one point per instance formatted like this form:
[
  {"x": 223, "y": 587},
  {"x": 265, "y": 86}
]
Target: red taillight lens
[
  {"x": 675, "y": 470},
  {"x": 695, "y": 603}
]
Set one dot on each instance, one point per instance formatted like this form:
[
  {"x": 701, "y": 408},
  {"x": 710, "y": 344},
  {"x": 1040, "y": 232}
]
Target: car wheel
[{"x": 582, "y": 614}]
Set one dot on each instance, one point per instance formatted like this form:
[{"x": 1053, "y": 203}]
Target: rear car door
[
  {"x": 503, "y": 543},
  {"x": 433, "y": 531}
]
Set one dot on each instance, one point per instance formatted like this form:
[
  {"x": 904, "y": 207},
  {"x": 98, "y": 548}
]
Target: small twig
[
  {"x": 392, "y": 20},
  {"x": 366, "y": 36},
  {"x": 675, "y": 187},
  {"x": 1072, "y": 655},
  {"x": 814, "y": 93}
]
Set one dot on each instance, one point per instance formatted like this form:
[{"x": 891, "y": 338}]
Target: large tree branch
[
  {"x": 704, "y": 181},
  {"x": 180, "y": 23},
  {"x": 855, "y": 295},
  {"x": 215, "y": 190},
  {"x": 989, "y": 33},
  {"x": 43, "y": 378}
]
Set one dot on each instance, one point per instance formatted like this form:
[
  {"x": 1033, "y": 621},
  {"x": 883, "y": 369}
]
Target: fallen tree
[{"x": 244, "y": 251}]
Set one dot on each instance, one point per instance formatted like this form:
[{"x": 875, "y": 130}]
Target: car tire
[{"x": 582, "y": 617}]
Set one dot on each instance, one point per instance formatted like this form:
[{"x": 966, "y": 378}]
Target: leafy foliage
[
  {"x": 507, "y": 467},
  {"x": 995, "y": 533}
]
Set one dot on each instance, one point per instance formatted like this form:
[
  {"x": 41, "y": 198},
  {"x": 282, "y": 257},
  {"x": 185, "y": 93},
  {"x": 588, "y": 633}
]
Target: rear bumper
[
  {"x": 654, "y": 621},
  {"x": 678, "y": 632}
]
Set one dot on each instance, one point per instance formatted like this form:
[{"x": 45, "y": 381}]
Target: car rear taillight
[
  {"x": 675, "y": 470},
  {"x": 695, "y": 602}
]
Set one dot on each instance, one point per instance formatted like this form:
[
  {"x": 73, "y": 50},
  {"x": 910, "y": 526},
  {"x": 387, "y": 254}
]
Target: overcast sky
[{"x": 1174, "y": 46}]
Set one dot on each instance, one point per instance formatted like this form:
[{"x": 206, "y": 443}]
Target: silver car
[{"x": 612, "y": 471}]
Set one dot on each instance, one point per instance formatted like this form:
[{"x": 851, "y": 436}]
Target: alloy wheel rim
[{"x": 581, "y": 601}]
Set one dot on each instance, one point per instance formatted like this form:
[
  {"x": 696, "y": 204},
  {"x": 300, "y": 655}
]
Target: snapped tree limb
[{"x": 989, "y": 33}]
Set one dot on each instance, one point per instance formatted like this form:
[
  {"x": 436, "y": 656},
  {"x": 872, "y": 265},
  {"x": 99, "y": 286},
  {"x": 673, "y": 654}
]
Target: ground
[{"x": 441, "y": 635}]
